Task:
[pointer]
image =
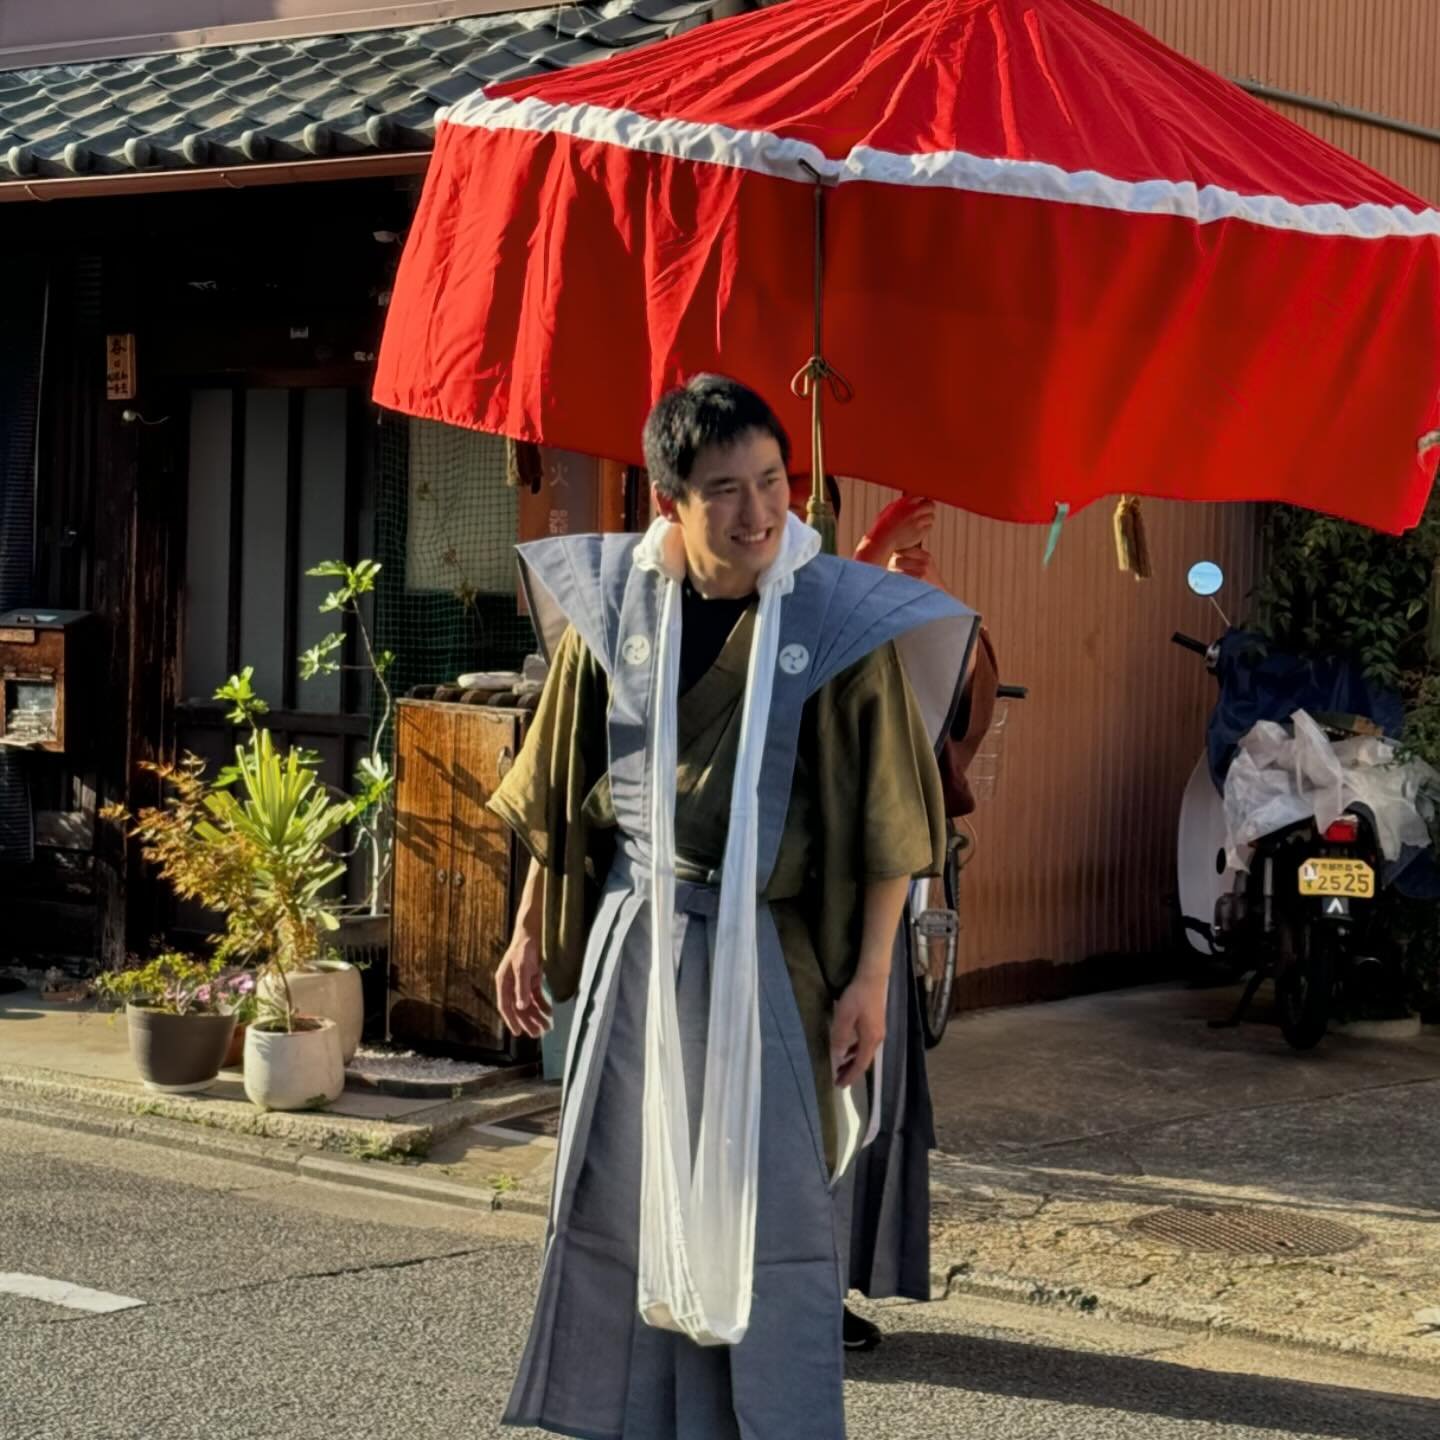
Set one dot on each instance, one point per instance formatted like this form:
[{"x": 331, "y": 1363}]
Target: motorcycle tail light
[{"x": 1344, "y": 831}]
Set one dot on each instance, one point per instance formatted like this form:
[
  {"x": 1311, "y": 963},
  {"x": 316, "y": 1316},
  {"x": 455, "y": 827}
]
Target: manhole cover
[{"x": 1241, "y": 1231}]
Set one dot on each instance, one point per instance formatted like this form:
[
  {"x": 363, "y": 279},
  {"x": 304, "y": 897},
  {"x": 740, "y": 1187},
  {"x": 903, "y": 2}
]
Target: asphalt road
[{"x": 289, "y": 1310}]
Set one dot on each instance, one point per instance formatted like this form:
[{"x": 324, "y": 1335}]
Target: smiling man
[{"x": 725, "y": 792}]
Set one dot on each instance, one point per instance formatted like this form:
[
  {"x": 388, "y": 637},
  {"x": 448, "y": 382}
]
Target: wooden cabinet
[{"x": 458, "y": 874}]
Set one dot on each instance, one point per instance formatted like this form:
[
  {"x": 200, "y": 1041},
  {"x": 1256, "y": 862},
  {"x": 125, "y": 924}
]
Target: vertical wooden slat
[
  {"x": 264, "y": 547},
  {"x": 420, "y": 934},
  {"x": 294, "y": 480},
  {"x": 486, "y": 744},
  {"x": 111, "y": 598},
  {"x": 357, "y": 436},
  {"x": 157, "y": 540},
  {"x": 238, "y": 417}
]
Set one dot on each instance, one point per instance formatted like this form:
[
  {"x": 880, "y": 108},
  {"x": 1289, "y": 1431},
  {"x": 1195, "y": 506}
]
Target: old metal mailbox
[{"x": 40, "y": 675}]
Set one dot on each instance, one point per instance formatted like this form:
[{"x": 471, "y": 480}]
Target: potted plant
[
  {"x": 180, "y": 1013},
  {"x": 255, "y": 844},
  {"x": 292, "y": 1061},
  {"x": 320, "y": 981}
]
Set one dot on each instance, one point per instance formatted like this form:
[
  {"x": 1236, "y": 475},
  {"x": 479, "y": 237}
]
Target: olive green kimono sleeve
[
  {"x": 880, "y": 804},
  {"x": 543, "y": 800}
]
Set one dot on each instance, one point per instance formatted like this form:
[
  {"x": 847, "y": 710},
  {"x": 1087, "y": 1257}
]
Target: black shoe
[{"x": 859, "y": 1333}]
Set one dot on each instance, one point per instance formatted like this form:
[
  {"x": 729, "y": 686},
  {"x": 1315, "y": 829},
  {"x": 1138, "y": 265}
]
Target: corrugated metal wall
[
  {"x": 1076, "y": 850},
  {"x": 1382, "y": 56},
  {"x": 1075, "y": 854}
]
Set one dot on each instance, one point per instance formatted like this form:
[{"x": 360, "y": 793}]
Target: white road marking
[{"x": 62, "y": 1292}]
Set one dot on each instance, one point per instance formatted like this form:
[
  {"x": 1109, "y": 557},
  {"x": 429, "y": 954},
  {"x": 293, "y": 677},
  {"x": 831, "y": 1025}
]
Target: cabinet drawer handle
[
  {"x": 458, "y": 879},
  {"x": 441, "y": 876}
]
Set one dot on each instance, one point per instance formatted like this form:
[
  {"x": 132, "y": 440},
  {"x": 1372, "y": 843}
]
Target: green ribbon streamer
[{"x": 1062, "y": 511}]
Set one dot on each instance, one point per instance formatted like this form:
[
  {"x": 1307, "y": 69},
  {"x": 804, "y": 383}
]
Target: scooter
[{"x": 1301, "y": 913}]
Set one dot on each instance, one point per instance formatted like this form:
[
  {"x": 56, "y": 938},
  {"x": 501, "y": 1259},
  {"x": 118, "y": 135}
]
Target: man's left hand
[{"x": 858, "y": 1027}]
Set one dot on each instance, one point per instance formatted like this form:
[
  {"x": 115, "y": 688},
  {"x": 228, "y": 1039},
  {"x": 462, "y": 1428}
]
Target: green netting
[{"x": 446, "y": 520}]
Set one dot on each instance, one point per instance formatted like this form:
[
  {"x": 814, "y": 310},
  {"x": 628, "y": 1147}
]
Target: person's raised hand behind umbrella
[{"x": 897, "y": 538}]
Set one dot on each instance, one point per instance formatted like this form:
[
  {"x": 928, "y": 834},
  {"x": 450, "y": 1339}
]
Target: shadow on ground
[{"x": 1141, "y": 1386}]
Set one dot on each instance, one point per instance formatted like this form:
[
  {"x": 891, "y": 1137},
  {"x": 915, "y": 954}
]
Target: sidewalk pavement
[
  {"x": 1060, "y": 1125},
  {"x": 69, "y": 1065}
]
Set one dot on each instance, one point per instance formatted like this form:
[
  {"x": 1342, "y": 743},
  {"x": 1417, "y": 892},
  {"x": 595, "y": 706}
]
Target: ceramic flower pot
[
  {"x": 331, "y": 989},
  {"x": 177, "y": 1052},
  {"x": 235, "y": 1051},
  {"x": 297, "y": 1071}
]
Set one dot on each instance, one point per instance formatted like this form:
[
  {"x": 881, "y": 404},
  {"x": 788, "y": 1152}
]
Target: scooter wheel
[{"x": 1304, "y": 983}]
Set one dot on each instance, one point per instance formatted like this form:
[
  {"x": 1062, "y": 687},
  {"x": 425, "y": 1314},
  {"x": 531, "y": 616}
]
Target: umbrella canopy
[{"x": 1062, "y": 262}]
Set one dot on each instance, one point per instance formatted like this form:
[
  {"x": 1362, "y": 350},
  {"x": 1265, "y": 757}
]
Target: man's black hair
[{"x": 709, "y": 410}]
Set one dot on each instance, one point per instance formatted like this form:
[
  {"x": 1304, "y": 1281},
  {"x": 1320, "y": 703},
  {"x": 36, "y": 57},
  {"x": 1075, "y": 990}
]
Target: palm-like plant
[{"x": 255, "y": 844}]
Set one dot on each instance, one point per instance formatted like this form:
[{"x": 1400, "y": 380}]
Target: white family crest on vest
[
  {"x": 697, "y": 1220},
  {"x": 636, "y": 650},
  {"x": 794, "y": 660}
]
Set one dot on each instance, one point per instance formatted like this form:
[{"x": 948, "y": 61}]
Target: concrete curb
[
  {"x": 401, "y": 1183},
  {"x": 393, "y": 1176},
  {"x": 315, "y": 1130},
  {"x": 961, "y": 1280}
]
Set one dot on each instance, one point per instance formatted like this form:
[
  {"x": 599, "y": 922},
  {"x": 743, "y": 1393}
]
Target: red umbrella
[{"x": 1062, "y": 262}]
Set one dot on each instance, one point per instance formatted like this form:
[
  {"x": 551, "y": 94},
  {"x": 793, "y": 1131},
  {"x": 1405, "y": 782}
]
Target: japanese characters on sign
[{"x": 119, "y": 367}]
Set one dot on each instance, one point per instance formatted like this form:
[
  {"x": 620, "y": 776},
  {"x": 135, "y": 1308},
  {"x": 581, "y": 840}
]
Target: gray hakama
[
  {"x": 890, "y": 1196},
  {"x": 592, "y": 1368}
]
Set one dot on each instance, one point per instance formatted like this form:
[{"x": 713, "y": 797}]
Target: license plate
[{"x": 1352, "y": 879}]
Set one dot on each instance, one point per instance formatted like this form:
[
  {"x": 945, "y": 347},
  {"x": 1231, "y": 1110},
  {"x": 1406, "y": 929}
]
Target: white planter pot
[
  {"x": 293, "y": 1072},
  {"x": 332, "y": 990}
]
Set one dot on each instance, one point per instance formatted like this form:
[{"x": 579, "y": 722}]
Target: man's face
[{"x": 734, "y": 514}]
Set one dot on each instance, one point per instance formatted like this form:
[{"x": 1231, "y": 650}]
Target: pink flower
[{"x": 203, "y": 995}]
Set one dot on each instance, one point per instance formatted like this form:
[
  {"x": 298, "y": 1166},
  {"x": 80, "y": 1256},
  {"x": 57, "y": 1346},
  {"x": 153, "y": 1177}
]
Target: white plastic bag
[{"x": 1278, "y": 779}]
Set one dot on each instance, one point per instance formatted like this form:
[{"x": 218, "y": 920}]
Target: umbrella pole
[{"x": 811, "y": 382}]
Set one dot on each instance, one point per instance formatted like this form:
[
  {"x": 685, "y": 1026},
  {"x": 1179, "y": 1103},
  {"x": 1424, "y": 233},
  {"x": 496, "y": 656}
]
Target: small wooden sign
[
  {"x": 120, "y": 367},
  {"x": 16, "y": 637}
]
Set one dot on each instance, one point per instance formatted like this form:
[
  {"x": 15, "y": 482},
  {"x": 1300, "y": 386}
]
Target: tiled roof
[{"x": 354, "y": 94}]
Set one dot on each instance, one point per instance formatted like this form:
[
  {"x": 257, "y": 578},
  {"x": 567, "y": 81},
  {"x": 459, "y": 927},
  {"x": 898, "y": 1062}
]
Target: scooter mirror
[{"x": 1206, "y": 579}]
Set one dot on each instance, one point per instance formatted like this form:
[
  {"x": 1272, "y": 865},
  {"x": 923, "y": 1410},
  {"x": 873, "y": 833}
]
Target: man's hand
[
  {"x": 520, "y": 975},
  {"x": 858, "y": 1027},
  {"x": 859, "y": 1023},
  {"x": 519, "y": 979}
]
